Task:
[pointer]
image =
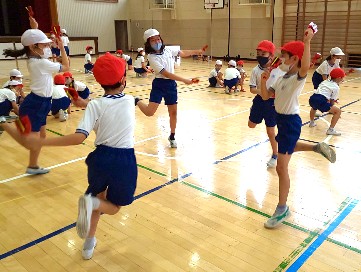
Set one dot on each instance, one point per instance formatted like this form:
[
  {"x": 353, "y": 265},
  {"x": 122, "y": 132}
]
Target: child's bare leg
[{"x": 336, "y": 115}]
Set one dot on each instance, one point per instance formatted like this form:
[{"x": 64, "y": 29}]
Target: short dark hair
[
  {"x": 149, "y": 49},
  {"x": 111, "y": 87}
]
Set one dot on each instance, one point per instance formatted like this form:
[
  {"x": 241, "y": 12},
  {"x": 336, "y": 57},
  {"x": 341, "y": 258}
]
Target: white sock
[
  {"x": 89, "y": 243},
  {"x": 96, "y": 202}
]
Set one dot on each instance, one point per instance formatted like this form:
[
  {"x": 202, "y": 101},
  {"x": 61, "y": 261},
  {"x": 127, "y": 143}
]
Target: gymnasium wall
[
  {"x": 92, "y": 19},
  {"x": 190, "y": 26}
]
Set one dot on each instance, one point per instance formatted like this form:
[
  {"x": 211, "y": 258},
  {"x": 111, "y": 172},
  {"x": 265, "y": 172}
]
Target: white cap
[
  {"x": 232, "y": 63},
  {"x": 15, "y": 73},
  {"x": 34, "y": 36},
  {"x": 218, "y": 62},
  {"x": 14, "y": 83},
  {"x": 337, "y": 51},
  {"x": 150, "y": 33},
  {"x": 140, "y": 49},
  {"x": 63, "y": 31}
]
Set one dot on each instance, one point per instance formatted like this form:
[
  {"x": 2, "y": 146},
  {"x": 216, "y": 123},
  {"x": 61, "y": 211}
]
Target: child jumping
[{"x": 324, "y": 99}]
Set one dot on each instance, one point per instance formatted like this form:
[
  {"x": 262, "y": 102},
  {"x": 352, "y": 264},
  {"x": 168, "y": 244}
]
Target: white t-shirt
[
  {"x": 65, "y": 40},
  {"x": 58, "y": 91},
  {"x": 7, "y": 94},
  {"x": 6, "y": 84},
  {"x": 231, "y": 73},
  {"x": 329, "y": 89},
  {"x": 325, "y": 68},
  {"x": 41, "y": 75},
  {"x": 79, "y": 86},
  {"x": 255, "y": 79},
  {"x": 287, "y": 90},
  {"x": 112, "y": 117},
  {"x": 163, "y": 61},
  {"x": 214, "y": 73},
  {"x": 126, "y": 57},
  {"x": 138, "y": 62},
  {"x": 87, "y": 58}
]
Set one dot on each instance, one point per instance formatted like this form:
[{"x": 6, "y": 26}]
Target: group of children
[{"x": 112, "y": 116}]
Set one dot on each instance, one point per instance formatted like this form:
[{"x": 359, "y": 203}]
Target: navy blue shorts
[
  {"x": 66, "y": 50},
  {"x": 164, "y": 88},
  {"x": 55, "y": 51},
  {"x": 37, "y": 108},
  {"x": 130, "y": 61},
  {"x": 84, "y": 94},
  {"x": 88, "y": 66},
  {"x": 114, "y": 170},
  {"x": 140, "y": 70},
  {"x": 5, "y": 108},
  {"x": 316, "y": 79},
  {"x": 289, "y": 131},
  {"x": 59, "y": 104},
  {"x": 263, "y": 109},
  {"x": 231, "y": 82},
  {"x": 319, "y": 102},
  {"x": 212, "y": 81}
]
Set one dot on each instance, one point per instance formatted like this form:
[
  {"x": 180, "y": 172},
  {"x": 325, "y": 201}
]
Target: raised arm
[{"x": 305, "y": 62}]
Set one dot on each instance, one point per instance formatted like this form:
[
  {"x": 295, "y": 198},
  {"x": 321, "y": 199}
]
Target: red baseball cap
[
  {"x": 240, "y": 62},
  {"x": 337, "y": 73},
  {"x": 296, "y": 48},
  {"x": 267, "y": 46},
  {"x": 108, "y": 69},
  {"x": 119, "y": 51},
  {"x": 88, "y": 47},
  {"x": 68, "y": 74},
  {"x": 59, "y": 79}
]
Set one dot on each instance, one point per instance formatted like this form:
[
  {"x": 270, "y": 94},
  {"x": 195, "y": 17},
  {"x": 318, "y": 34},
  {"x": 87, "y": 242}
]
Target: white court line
[{"x": 83, "y": 158}]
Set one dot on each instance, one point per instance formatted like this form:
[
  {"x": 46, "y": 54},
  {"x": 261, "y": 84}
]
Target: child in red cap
[
  {"x": 88, "y": 65},
  {"x": 324, "y": 99},
  {"x": 264, "y": 109},
  {"x": 295, "y": 62},
  {"x": 112, "y": 166},
  {"x": 60, "y": 102},
  {"x": 242, "y": 73}
]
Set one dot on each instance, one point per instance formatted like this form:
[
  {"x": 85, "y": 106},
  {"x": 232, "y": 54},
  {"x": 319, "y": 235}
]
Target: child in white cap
[
  {"x": 37, "y": 104},
  {"x": 8, "y": 101},
  {"x": 139, "y": 64},
  {"x": 164, "y": 85},
  {"x": 14, "y": 75},
  {"x": 325, "y": 68},
  {"x": 65, "y": 40},
  {"x": 231, "y": 77},
  {"x": 216, "y": 77}
]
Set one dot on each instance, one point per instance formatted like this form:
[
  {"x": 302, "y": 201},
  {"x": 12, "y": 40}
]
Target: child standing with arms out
[
  {"x": 231, "y": 77},
  {"x": 324, "y": 99},
  {"x": 37, "y": 104},
  {"x": 264, "y": 109},
  {"x": 296, "y": 62},
  {"x": 88, "y": 65},
  {"x": 242, "y": 73},
  {"x": 216, "y": 77},
  {"x": 112, "y": 166},
  {"x": 331, "y": 62},
  {"x": 164, "y": 85}
]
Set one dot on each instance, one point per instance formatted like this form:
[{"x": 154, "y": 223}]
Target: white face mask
[
  {"x": 284, "y": 67},
  {"x": 46, "y": 53},
  {"x": 337, "y": 61},
  {"x": 90, "y": 52},
  {"x": 143, "y": 53}
]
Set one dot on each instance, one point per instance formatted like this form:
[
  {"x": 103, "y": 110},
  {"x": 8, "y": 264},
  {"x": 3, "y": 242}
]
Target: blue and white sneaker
[{"x": 277, "y": 218}]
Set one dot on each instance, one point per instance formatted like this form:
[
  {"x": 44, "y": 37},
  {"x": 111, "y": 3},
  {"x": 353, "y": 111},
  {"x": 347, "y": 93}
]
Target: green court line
[{"x": 312, "y": 233}]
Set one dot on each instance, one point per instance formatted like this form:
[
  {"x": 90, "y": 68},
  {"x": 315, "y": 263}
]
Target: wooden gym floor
[{"x": 200, "y": 207}]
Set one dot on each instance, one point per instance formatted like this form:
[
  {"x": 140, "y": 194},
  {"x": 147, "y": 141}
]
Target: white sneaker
[
  {"x": 326, "y": 151},
  {"x": 277, "y": 219},
  {"x": 87, "y": 254},
  {"x": 312, "y": 124},
  {"x": 63, "y": 116},
  {"x": 36, "y": 171},
  {"x": 334, "y": 132},
  {"x": 272, "y": 163},
  {"x": 173, "y": 143},
  {"x": 85, "y": 209},
  {"x": 2, "y": 119}
]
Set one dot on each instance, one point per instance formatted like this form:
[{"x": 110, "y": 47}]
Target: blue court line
[
  {"x": 52, "y": 234},
  {"x": 322, "y": 237}
]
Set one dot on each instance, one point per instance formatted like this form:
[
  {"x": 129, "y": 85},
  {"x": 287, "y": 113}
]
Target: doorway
[{"x": 121, "y": 35}]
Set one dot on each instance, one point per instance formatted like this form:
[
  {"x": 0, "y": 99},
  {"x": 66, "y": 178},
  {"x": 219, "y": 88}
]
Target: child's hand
[
  {"x": 265, "y": 75},
  {"x": 33, "y": 23},
  {"x": 308, "y": 35},
  {"x": 187, "y": 81},
  {"x": 80, "y": 102}
]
